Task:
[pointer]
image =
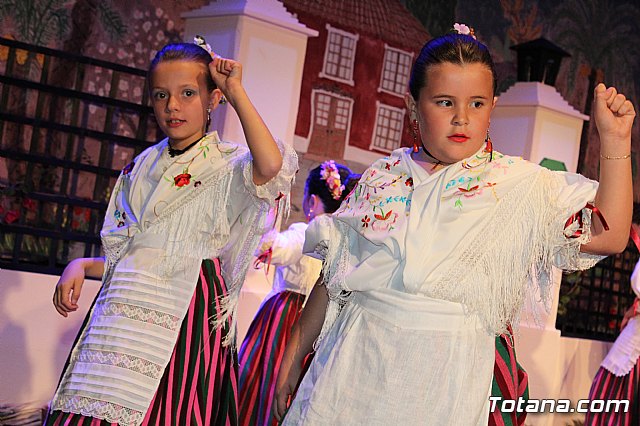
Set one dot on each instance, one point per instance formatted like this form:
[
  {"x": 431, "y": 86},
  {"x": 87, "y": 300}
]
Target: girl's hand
[
  {"x": 227, "y": 74},
  {"x": 67, "y": 292},
  {"x": 614, "y": 115},
  {"x": 285, "y": 388}
]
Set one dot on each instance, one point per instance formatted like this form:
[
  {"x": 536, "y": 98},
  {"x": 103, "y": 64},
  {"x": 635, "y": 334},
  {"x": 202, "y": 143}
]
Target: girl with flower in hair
[
  {"x": 405, "y": 316},
  {"x": 261, "y": 352},
  {"x": 181, "y": 227}
]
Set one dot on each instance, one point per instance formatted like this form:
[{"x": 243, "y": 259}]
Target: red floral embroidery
[
  {"x": 365, "y": 221},
  {"x": 409, "y": 182},
  {"x": 387, "y": 166},
  {"x": 381, "y": 217},
  {"x": 182, "y": 179},
  {"x": 127, "y": 169},
  {"x": 473, "y": 188},
  {"x": 395, "y": 163}
]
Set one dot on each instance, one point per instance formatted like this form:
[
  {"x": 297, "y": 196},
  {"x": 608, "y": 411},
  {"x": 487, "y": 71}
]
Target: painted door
[{"x": 331, "y": 122}]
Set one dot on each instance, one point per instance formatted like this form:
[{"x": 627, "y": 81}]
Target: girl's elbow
[{"x": 272, "y": 169}]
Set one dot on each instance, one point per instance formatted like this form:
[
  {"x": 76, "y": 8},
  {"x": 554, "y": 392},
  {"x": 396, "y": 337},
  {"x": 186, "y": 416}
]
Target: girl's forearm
[
  {"x": 306, "y": 330},
  {"x": 93, "y": 266},
  {"x": 615, "y": 201}
]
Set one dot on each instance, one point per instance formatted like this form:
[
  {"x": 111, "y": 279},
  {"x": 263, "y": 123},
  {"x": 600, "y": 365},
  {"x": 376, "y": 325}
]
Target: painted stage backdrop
[{"x": 356, "y": 70}]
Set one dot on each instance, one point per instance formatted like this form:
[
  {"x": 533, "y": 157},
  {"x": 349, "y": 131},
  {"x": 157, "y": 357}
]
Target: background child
[
  {"x": 619, "y": 375},
  {"x": 261, "y": 352},
  {"x": 431, "y": 256},
  {"x": 182, "y": 223}
]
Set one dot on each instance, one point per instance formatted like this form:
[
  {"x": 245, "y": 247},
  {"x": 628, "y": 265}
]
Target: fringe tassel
[
  {"x": 334, "y": 270},
  {"x": 492, "y": 280}
]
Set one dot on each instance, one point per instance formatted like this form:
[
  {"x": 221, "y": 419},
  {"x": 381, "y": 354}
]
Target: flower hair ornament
[
  {"x": 464, "y": 30},
  {"x": 330, "y": 174},
  {"x": 200, "y": 41}
]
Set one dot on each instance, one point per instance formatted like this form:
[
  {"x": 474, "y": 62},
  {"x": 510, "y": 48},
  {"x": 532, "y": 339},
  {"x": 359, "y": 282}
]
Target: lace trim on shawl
[
  {"x": 113, "y": 413},
  {"x": 130, "y": 362},
  {"x": 497, "y": 292},
  {"x": 138, "y": 313},
  {"x": 335, "y": 252}
]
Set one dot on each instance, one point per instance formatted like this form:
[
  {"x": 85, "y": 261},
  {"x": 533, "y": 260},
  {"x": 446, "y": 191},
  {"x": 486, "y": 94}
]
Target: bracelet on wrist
[{"x": 615, "y": 157}]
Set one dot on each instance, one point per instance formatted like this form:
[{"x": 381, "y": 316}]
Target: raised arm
[
  {"x": 267, "y": 160},
  {"x": 614, "y": 115},
  {"x": 300, "y": 344}
]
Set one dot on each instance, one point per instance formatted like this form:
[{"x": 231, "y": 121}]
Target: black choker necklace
[
  {"x": 175, "y": 152},
  {"x": 431, "y": 155}
]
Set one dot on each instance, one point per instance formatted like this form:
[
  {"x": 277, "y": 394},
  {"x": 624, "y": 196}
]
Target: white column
[{"x": 271, "y": 45}]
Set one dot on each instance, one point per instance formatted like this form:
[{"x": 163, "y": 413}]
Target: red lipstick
[{"x": 458, "y": 137}]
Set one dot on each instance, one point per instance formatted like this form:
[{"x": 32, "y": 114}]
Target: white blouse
[{"x": 295, "y": 271}]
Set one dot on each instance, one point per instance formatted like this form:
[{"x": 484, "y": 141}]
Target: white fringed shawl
[
  {"x": 486, "y": 233},
  {"x": 165, "y": 216}
]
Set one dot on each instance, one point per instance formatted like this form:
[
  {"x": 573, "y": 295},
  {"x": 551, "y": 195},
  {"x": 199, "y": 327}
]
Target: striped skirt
[
  {"x": 608, "y": 386},
  {"x": 199, "y": 385},
  {"x": 510, "y": 381},
  {"x": 260, "y": 356}
]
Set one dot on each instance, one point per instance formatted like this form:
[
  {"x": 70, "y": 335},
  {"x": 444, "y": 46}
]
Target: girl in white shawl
[
  {"x": 431, "y": 255},
  {"x": 182, "y": 223}
]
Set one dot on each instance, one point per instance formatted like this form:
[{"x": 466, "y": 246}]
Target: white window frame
[
  {"x": 387, "y": 49},
  {"x": 355, "y": 38},
  {"x": 379, "y": 107}
]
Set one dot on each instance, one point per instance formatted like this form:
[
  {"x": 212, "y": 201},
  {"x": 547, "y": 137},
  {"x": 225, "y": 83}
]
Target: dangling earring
[
  {"x": 489, "y": 147},
  {"x": 309, "y": 215},
  {"x": 208, "y": 119},
  {"x": 414, "y": 123}
]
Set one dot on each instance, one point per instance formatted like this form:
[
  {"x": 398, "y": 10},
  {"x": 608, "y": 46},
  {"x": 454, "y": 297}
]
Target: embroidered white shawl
[
  {"x": 477, "y": 232},
  {"x": 164, "y": 217}
]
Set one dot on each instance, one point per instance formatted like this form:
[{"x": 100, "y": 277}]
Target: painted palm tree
[{"x": 604, "y": 35}]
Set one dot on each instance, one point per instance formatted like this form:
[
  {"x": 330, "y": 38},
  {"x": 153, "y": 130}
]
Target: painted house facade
[{"x": 355, "y": 76}]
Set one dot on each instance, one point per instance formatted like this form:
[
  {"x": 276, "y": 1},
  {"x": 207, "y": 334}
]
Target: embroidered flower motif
[
  {"x": 197, "y": 184},
  {"x": 127, "y": 169},
  {"x": 387, "y": 166},
  {"x": 395, "y": 163},
  {"x": 182, "y": 179},
  {"x": 409, "y": 182},
  {"x": 365, "y": 221},
  {"x": 383, "y": 221}
]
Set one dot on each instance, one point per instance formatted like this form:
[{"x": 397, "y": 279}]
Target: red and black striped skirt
[
  {"x": 607, "y": 386},
  {"x": 261, "y": 354}
]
